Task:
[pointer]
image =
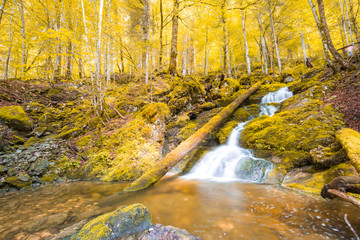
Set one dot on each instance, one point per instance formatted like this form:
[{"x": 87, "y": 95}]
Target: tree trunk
[
  {"x": 2, "y": 7},
  {"x": 206, "y": 60},
  {"x": 161, "y": 35},
  {"x": 275, "y": 38},
  {"x": 322, "y": 37},
  {"x": 185, "y": 57},
  {"x": 57, "y": 63},
  {"x": 303, "y": 46},
  {"x": 174, "y": 38},
  {"x": 7, "y": 63},
  {"x": 248, "y": 66},
  {"x": 325, "y": 30},
  {"x": 343, "y": 21},
  {"x": 146, "y": 37},
  {"x": 162, "y": 167},
  {"x": 349, "y": 24},
  {"x": 23, "y": 51},
  {"x": 353, "y": 20},
  {"x": 263, "y": 45}
]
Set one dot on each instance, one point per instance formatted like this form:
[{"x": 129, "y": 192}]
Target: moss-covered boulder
[
  {"x": 291, "y": 135},
  {"x": 22, "y": 180},
  {"x": 311, "y": 179},
  {"x": 16, "y": 118},
  {"x": 223, "y": 133},
  {"x": 130, "y": 220},
  {"x": 350, "y": 140},
  {"x": 159, "y": 231}
]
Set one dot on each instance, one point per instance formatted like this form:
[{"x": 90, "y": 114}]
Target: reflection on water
[{"x": 211, "y": 210}]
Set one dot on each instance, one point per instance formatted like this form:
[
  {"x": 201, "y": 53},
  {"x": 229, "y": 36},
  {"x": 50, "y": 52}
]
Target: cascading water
[{"x": 230, "y": 161}]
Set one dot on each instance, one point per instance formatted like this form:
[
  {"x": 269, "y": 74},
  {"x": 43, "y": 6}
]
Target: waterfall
[{"x": 230, "y": 161}]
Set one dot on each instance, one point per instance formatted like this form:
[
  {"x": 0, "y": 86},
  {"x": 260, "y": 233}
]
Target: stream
[{"x": 223, "y": 197}]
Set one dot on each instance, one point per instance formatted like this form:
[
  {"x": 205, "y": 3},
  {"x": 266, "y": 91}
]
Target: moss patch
[
  {"x": 350, "y": 140},
  {"x": 15, "y": 117}
]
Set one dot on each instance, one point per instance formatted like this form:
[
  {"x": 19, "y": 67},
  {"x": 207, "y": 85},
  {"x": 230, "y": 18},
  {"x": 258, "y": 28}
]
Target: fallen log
[
  {"x": 163, "y": 166},
  {"x": 345, "y": 197}
]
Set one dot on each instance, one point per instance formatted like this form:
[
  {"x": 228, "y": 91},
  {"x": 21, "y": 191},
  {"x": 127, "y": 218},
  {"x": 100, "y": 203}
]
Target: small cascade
[{"x": 230, "y": 161}]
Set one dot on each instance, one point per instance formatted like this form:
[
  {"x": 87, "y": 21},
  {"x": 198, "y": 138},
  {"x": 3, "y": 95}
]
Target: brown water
[{"x": 211, "y": 210}]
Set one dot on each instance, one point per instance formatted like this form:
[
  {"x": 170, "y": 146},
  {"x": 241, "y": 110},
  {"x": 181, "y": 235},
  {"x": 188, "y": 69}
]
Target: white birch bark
[
  {"x": 7, "y": 63},
  {"x": 263, "y": 46},
  {"x": 343, "y": 21},
  {"x": 247, "y": 58},
  {"x": 303, "y": 46},
  {"x": 275, "y": 38},
  {"x": 349, "y": 24},
  {"x": 23, "y": 48},
  {"x": 2, "y": 6},
  {"x": 146, "y": 37},
  {"x": 98, "y": 55}
]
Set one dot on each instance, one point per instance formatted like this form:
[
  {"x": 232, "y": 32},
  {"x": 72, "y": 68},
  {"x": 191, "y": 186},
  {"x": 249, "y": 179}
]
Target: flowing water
[{"x": 214, "y": 206}]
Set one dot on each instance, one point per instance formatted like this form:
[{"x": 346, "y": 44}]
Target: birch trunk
[
  {"x": 248, "y": 66},
  {"x": 162, "y": 167},
  {"x": 228, "y": 54},
  {"x": 7, "y": 63},
  {"x": 343, "y": 21},
  {"x": 303, "y": 46},
  {"x": 174, "y": 38},
  {"x": 353, "y": 20},
  {"x": 57, "y": 63},
  {"x": 23, "y": 51},
  {"x": 263, "y": 45},
  {"x": 275, "y": 38},
  {"x": 161, "y": 35},
  {"x": 185, "y": 57},
  {"x": 322, "y": 36},
  {"x": 2, "y": 7},
  {"x": 206, "y": 60},
  {"x": 349, "y": 24},
  {"x": 146, "y": 37},
  {"x": 325, "y": 30}
]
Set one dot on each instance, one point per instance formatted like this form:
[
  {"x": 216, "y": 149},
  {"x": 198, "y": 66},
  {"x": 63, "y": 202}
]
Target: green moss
[
  {"x": 189, "y": 129},
  {"x": 69, "y": 133},
  {"x": 253, "y": 109},
  {"x": 82, "y": 142},
  {"x": 155, "y": 112},
  {"x": 16, "y": 182},
  {"x": 180, "y": 121},
  {"x": 18, "y": 140},
  {"x": 30, "y": 142},
  {"x": 122, "y": 222},
  {"x": 207, "y": 106},
  {"x": 49, "y": 178},
  {"x": 241, "y": 115},
  {"x": 350, "y": 140},
  {"x": 15, "y": 117},
  {"x": 223, "y": 133},
  {"x": 314, "y": 182}
]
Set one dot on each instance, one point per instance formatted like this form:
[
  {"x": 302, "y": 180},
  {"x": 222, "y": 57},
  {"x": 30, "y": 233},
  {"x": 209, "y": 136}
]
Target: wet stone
[
  {"x": 159, "y": 231},
  {"x": 38, "y": 167}
]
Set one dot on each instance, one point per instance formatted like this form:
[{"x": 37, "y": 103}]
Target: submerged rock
[
  {"x": 127, "y": 221},
  {"x": 160, "y": 232},
  {"x": 16, "y": 118}
]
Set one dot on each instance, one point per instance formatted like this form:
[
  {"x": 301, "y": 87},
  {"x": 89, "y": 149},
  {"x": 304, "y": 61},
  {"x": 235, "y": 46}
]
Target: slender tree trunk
[
  {"x": 23, "y": 51},
  {"x": 248, "y": 66},
  {"x": 162, "y": 167},
  {"x": 161, "y": 35},
  {"x": 353, "y": 20},
  {"x": 349, "y": 24},
  {"x": 185, "y": 57},
  {"x": 174, "y": 38},
  {"x": 206, "y": 60},
  {"x": 263, "y": 45},
  {"x": 303, "y": 46},
  {"x": 57, "y": 63},
  {"x": 146, "y": 37},
  {"x": 343, "y": 21},
  {"x": 275, "y": 38},
  {"x": 322, "y": 37},
  {"x": 325, "y": 30},
  {"x": 227, "y": 51},
  {"x": 98, "y": 56},
  {"x": 7, "y": 63},
  {"x": 2, "y": 7}
]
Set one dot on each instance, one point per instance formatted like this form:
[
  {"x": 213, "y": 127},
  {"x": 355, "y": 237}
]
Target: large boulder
[
  {"x": 160, "y": 232},
  {"x": 16, "y": 118},
  {"x": 119, "y": 224}
]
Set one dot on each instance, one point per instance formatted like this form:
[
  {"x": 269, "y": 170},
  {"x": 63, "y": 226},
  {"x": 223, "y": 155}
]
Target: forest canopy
[{"x": 65, "y": 39}]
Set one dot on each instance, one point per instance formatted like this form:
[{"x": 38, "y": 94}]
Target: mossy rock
[
  {"x": 223, "y": 133},
  {"x": 253, "y": 109},
  {"x": 31, "y": 141},
  {"x": 310, "y": 179},
  {"x": 241, "y": 115},
  {"x": 130, "y": 220},
  {"x": 70, "y": 133},
  {"x": 17, "y": 182},
  {"x": 82, "y": 142},
  {"x": 155, "y": 112},
  {"x": 350, "y": 140},
  {"x": 207, "y": 106},
  {"x": 16, "y": 118}
]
